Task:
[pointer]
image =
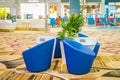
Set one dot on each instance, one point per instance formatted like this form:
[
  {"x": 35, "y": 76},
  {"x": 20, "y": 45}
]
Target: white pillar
[
  {"x": 46, "y": 26},
  {"x": 102, "y": 8},
  {"x": 17, "y": 7},
  {"x": 13, "y": 10},
  {"x": 59, "y": 7}
]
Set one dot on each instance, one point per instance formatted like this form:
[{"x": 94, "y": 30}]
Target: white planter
[
  {"x": 7, "y": 24},
  {"x": 62, "y": 52},
  {"x": 86, "y": 41}
]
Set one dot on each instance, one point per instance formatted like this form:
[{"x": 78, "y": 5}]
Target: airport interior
[{"x": 59, "y": 39}]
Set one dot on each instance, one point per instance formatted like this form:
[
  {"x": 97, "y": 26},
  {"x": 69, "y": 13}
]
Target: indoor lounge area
[{"x": 33, "y": 47}]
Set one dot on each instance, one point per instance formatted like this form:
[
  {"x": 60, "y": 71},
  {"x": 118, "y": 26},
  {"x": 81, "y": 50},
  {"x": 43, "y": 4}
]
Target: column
[
  {"x": 59, "y": 7},
  {"x": 75, "y": 6},
  {"x": 102, "y": 8},
  {"x": 46, "y": 17},
  {"x": 106, "y": 14},
  {"x": 17, "y": 7},
  {"x": 13, "y": 10}
]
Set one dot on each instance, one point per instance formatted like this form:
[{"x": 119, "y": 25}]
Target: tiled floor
[{"x": 106, "y": 66}]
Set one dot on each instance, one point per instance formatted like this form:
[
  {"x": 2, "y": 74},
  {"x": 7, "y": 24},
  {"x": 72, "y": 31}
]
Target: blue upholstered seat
[
  {"x": 96, "y": 48},
  {"x": 57, "y": 53},
  {"x": 82, "y": 35},
  {"x": 79, "y": 58},
  {"x": 97, "y": 45},
  {"x": 38, "y": 58}
]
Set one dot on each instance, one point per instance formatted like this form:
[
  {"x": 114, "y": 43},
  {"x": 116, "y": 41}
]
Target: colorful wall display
[{"x": 53, "y": 11}]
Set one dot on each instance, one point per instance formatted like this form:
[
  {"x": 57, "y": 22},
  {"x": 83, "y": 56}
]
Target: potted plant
[
  {"x": 9, "y": 16},
  {"x": 72, "y": 27},
  {"x": 70, "y": 30}
]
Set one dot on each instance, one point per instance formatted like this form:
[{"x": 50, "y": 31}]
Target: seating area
[
  {"x": 79, "y": 58},
  {"x": 102, "y": 22},
  {"x": 59, "y": 39},
  {"x": 12, "y": 64}
]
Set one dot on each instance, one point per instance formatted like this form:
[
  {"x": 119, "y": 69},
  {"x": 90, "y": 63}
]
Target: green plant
[
  {"x": 72, "y": 27},
  {"x": 3, "y": 14},
  {"x": 9, "y": 16}
]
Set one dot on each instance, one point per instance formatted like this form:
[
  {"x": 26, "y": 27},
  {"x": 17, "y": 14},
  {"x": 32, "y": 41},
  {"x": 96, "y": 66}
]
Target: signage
[{"x": 33, "y": 0}]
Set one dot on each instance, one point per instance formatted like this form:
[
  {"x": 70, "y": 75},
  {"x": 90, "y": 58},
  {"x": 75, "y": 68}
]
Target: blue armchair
[
  {"x": 96, "y": 48},
  {"x": 81, "y": 35},
  {"x": 57, "y": 53},
  {"x": 79, "y": 58},
  {"x": 112, "y": 24},
  {"x": 97, "y": 45},
  {"x": 38, "y": 58}
]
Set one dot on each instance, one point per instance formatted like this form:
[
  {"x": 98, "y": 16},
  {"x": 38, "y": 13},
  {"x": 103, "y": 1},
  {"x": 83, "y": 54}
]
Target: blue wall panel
[
  {"x": 64, "y": 0},
  {"x": 93, "y": 0},
  {"x": 112, "y": 0},
  {"x": 74, "y": 6}
]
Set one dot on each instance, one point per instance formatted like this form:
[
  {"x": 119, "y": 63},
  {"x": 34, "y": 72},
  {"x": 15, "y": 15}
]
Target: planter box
[
  {"x": 62, "y": 52},
  {"x": 7, "y": 25},
  {"x": 89, "y": 42}
]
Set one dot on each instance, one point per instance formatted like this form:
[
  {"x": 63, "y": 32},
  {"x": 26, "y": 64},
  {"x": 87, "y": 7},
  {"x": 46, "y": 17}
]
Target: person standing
[
  {"x": 58, "y": 21},
  {"x": 65, "y": 18}
]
